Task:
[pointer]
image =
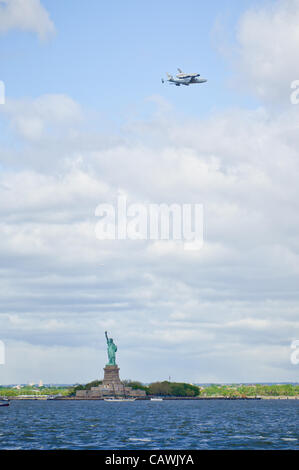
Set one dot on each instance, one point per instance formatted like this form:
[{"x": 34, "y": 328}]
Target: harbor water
[{"x": 53, "y": 424}]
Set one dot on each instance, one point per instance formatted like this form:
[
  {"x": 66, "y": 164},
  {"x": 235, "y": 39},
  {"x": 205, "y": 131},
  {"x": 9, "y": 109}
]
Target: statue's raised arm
[{"x": 106, "y": 336}]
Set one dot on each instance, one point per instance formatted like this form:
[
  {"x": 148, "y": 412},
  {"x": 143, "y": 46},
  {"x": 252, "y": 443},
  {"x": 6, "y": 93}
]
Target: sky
[{"x": 86, "y": 118}]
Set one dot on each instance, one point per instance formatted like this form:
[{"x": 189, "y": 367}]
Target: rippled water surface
[{"x": 270, "y": 424}]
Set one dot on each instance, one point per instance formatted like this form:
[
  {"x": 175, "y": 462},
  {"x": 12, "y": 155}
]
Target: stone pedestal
[
  {"x": 111, "y": 382},
  {"x": 111, "y": 376}
]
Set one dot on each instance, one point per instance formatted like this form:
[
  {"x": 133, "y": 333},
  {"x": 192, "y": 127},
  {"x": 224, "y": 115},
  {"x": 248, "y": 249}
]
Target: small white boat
[
  {"x": 156, "y": 399},
  {"x": 119, "y": 399}
]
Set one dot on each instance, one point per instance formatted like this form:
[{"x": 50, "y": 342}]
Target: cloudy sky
[{"x": 86, "y": 116}]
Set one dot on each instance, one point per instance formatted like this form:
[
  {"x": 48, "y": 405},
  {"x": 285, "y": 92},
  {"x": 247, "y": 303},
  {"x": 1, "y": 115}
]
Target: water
[{"x": 271, "y": 424}]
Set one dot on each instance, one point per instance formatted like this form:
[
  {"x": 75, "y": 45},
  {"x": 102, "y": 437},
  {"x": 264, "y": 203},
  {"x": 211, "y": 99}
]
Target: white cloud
[
  {"x": 268, "y": 38},
  {"x": 26, "y": 15},
  {"x": 33, "y": 118},
  {"x": 236, "y": 297}
]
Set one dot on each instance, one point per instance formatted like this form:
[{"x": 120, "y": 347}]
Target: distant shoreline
[
  {"x": 163, "y": 398},
  {"x": 166, "y": 390}
]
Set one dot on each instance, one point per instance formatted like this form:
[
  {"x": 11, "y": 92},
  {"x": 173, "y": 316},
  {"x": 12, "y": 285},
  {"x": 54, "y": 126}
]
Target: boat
[
  {"x": 119, "y": 399},
  {"x": 6, "y": 403},
  {"x": 156, "y": 399}
]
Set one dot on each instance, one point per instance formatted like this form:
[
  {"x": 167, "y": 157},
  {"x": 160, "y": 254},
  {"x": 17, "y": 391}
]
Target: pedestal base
[{"x": 111, "y": 375}]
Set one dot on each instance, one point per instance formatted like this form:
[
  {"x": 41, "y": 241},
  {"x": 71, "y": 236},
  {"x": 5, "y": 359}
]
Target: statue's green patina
[{"x": 111, "y": 350}]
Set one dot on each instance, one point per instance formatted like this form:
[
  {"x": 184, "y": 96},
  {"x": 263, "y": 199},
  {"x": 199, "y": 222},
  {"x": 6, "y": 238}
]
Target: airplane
[{"x": 184, "y": 79}]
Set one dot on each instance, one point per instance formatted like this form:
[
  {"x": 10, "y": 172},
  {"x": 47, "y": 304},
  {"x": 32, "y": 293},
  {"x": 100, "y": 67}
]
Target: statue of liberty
[{"x": 111, "y": 350}]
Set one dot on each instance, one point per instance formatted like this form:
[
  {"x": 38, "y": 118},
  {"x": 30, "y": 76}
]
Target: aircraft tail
[
  {"x": 170, "y": 77},
  {"x": 179, "y": 70}
]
